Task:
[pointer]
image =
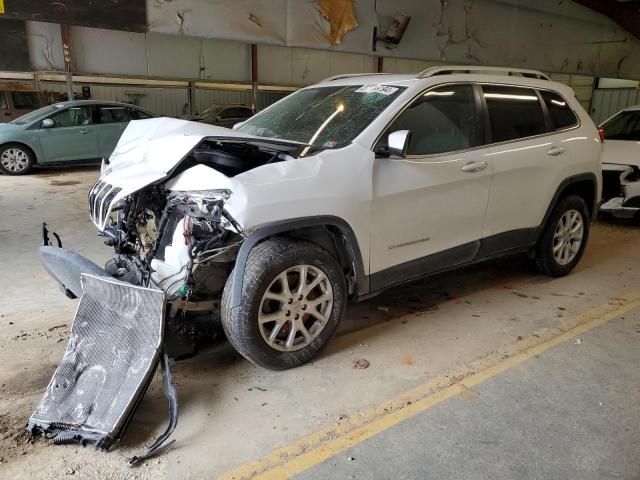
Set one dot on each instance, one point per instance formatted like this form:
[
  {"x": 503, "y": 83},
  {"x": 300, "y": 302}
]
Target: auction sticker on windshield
[{"x": 383, "y": 89}]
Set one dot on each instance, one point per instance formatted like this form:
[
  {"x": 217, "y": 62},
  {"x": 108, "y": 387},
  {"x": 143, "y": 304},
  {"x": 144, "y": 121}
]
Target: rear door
[
  {"x": 112, "y": 120},
  {"x": 73, "y": 136},
  {"x": 532, "y": 136}
]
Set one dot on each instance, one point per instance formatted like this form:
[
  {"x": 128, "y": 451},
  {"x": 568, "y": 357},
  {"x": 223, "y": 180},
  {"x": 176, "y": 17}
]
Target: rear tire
[
  {"x": 293, "y": 296},
  {"x": 16, "y": 159},
  {"x": 564, "y": 237}
]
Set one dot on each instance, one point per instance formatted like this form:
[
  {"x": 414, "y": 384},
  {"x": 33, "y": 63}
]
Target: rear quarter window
[
  {"x": 562, "y": 116},
  {"x": 514, "y": 112}
]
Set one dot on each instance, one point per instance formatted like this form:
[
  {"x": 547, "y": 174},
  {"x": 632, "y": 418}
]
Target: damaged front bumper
[{"x": 621, "y": 191}]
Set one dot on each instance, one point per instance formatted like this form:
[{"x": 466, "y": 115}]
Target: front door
[
  {"x": 72, "y": 137},
  {"x": 429, "y": 208}
]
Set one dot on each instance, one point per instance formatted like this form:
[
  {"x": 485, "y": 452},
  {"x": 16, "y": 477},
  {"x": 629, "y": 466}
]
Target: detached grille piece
[
  {"x": 100, "y": 199},
  {"x": 113, "y": 350}
]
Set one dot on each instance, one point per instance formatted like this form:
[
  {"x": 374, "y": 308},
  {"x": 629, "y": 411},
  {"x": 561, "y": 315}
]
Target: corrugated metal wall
[
  {"x": 607, "y": 101},
  {"x": 171, "y": 102},
  {"x": 205, "y": 97},
  {"x": 164, "y": 101}
]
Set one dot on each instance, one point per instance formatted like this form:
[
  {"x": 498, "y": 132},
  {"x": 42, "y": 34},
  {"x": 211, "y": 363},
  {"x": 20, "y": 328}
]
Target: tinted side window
[
  {"x": 113, "y": 114},
  {"x": 441, "y": 120},
  {"x": 138, "y": 114},
  {"x": 561, "y": 114},
  {"x": 72, "y": 117},
  {"x": 25, "y": 100},
  {"x": 3, "y": 101},
  {"x": 513, "y": 112}
]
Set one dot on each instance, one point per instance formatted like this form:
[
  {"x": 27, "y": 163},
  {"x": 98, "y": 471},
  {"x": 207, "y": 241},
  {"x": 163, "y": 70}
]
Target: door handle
[
  {"x": 474, "y": 167},
  {"x": 84, "y": 131},
  {"x": 555, "y": 151}
]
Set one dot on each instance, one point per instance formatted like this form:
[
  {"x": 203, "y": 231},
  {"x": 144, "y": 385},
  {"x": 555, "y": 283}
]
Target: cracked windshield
[{"x": 325, "y": 117}]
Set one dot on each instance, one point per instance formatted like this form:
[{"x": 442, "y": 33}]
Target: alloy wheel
[
  {"x": 14, "y": 160},
  {"x": 568, "y": 237},
  {"x": 295, "y": 308}
]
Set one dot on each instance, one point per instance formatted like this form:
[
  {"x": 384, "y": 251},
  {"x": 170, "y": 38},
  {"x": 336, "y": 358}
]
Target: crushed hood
[
  {"x": 159, "y": 144},
  {"x": 149, "y": 150},
  {"x": 621, "y": 152}
]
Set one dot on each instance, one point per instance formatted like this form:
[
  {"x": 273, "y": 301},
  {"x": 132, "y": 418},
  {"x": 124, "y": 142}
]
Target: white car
[
  {"x": 621, "y": 164},
  {"x": 346, "y": 188}
]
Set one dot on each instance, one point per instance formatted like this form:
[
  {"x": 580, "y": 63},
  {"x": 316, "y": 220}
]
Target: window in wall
[
  {"x": 513, "y": 112},
  {"x": 25, "y": 100},
  {"x": 562, "y": 116},
  {"x": 441, "y": 120}
]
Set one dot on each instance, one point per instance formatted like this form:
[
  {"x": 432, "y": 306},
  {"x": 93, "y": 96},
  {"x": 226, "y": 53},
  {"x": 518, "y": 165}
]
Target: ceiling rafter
[{"x": 624, "y": 13}]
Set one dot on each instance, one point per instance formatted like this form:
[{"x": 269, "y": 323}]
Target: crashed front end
[
  {"x": 175, "y": 246},
  {"x": 621, "y": 190}
]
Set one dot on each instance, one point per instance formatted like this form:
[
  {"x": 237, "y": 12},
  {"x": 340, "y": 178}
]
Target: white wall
[
  {"x": 550, "y": 35},
  {"x": 304, "y": 66},
  {"x": 45, "y": 46},
  {"x": 111, "y": 52}
]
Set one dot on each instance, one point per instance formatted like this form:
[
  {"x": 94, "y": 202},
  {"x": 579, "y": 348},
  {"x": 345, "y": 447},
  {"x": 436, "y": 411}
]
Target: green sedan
[{"x": 82, "y": 131}]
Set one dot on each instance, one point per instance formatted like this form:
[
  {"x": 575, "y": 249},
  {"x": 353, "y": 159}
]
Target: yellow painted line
[
  {"x": 324, "y": 444},
  {"x": 1, "y": 7}
]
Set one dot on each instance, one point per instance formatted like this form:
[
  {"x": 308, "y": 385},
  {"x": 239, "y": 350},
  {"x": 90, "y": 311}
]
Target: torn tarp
[{"x": 113, "y": 351}]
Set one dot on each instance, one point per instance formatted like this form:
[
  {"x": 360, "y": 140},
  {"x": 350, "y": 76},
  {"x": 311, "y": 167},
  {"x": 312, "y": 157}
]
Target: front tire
[
  {"x": 564, "y": 238},
  {"x": 293, "y": 297},
  {"x": 15, "y": 159}
]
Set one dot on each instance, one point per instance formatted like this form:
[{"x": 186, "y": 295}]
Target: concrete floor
[{"x": 432, "y": 332}]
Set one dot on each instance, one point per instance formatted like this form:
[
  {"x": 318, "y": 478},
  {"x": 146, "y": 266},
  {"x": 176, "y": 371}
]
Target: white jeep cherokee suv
[{"x": 343, "y": 189}]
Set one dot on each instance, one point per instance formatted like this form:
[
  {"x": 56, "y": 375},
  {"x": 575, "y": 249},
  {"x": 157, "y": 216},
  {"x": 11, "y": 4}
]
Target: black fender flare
[
  {"x": 279, "y": 227},
  {"x": 581, "y": 177}
]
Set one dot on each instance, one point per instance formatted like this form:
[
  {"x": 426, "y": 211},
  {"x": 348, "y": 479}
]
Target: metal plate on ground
[{"x": 113, "y": 350}]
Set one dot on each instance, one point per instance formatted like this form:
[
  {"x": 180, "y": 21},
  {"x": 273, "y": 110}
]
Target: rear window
[
  {"x": 514, "y": 112},
  {"x": 562, "y": 116},
  {"x": 624, "y": 126}
]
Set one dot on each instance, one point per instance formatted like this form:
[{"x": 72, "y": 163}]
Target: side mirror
[
  {"x": 399, "y": 142},
  {"x": 48, "y": 123},
  {"x": 237, "y": 125}
]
